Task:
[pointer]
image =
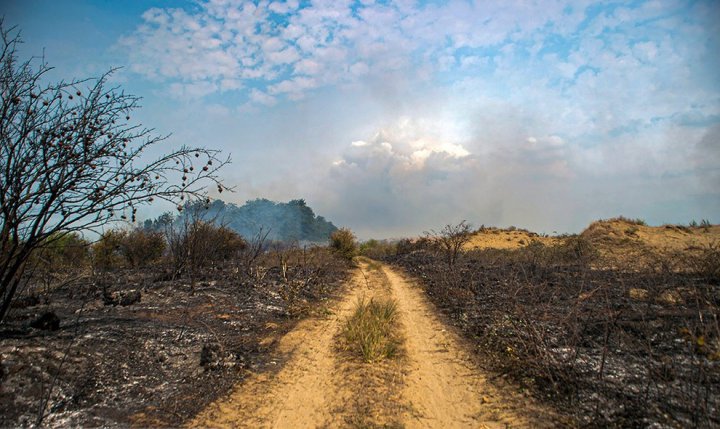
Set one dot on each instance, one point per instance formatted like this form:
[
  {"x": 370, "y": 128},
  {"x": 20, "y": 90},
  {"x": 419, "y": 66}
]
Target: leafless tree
[
  {"x": 256, "y": 245},
  {"x": 72, "y": 160},
  {"x": 451, "y": 239}
]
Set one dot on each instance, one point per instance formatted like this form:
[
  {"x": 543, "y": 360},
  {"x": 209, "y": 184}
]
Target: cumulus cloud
[
  {"x": 506, "y": 111},
  {"x": 340, "y": 41}
]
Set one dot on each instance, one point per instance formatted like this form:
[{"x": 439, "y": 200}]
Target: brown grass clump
[{"x": 371, "y": 331}]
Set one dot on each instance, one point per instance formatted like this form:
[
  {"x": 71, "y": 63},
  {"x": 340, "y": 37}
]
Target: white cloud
[
  {"x": 550, "y": 93},
  {"x": 262, "y": 98}
]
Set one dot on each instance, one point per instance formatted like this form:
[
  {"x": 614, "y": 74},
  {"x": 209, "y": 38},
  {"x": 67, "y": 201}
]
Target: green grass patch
[{"x": 371, "y": 332}]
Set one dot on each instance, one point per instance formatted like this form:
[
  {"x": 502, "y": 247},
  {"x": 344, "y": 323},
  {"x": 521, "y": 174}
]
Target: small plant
[
  {"x": 342, "y": 242},
  {"x": 371, "y": 331}
]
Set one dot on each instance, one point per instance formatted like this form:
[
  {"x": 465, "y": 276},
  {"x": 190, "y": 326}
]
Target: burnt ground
[
  {"x": 605, "y": 347},
  {"x": 156, "y": 362}
]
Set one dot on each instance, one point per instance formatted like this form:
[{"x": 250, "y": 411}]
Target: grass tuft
[{"x": 371, "y": 331}]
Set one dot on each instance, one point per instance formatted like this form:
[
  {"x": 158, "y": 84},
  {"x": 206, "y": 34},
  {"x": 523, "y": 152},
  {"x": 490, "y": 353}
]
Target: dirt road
[{"x": 434, "y": 383}]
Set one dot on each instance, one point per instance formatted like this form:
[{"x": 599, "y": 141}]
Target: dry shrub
[
  {"x": 451, "y": 239},
  {"x": 198, "y": 244},
  {"x": 300, "y": 274},
  {"x": 707, "y": 263}
]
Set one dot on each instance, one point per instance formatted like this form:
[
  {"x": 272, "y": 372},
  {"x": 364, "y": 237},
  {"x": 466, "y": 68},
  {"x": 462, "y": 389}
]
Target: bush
[
  {"x": 63, "y": 251},
  {"x": 342, "y": 243},
  {"x": 106, "y": 253},
  {"x": 140, "y": 248},
  {"x": 377, "y": 249},
  {"x": 121, "y": 248},
  {"x": 228, "y": 243}
]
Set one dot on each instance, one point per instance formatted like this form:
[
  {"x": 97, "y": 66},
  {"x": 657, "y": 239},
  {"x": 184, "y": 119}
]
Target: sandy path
[
  {"x": 443, "y": 386},
  {"x": 301, "y": 395},
  {"x": 438, "y": 386}
]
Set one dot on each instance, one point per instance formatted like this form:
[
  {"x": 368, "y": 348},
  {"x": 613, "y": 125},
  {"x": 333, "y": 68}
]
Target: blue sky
[{"x": 397, "y": 117}]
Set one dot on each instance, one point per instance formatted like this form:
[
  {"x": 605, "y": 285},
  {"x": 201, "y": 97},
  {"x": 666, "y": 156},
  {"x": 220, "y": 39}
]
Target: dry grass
[{"x": 371, "y": 332}]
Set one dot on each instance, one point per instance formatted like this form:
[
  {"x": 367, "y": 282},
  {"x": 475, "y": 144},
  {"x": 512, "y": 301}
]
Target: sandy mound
[
  {"x": 666, "y": 238},
  {"x": 618, "y": 241},
  {"x": 496, "y": 238}
]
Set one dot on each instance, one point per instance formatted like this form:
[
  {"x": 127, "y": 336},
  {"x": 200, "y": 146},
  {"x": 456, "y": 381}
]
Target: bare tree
[
  {"x": 71, "y": 160},
  {"x": 451, "y": 239},
  {"x": 255, "y": 247}
]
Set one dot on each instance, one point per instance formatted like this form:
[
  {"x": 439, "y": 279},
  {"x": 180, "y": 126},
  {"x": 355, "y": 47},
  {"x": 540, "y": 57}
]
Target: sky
[{"x": 394, "y": 118}]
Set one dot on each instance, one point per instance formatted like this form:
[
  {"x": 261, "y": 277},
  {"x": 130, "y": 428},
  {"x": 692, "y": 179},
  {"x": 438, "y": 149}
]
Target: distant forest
[{"x": 291, "y": 221}]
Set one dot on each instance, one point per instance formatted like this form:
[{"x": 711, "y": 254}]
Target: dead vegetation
[
  {"x": 612, "y": 339},
  {"x": 152, "y": 345}
]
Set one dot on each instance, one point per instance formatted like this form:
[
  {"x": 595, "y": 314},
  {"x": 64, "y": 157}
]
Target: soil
[{"x": 434, "y": 382}]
